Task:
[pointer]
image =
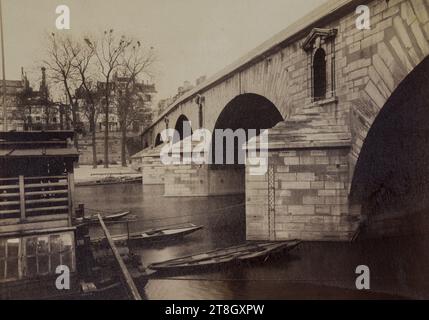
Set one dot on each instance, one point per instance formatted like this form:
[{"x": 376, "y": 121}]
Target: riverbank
[{"x": 86, "y": 173}]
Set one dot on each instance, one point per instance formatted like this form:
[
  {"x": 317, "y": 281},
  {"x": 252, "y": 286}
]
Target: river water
[{"x": 311, "y": 271}]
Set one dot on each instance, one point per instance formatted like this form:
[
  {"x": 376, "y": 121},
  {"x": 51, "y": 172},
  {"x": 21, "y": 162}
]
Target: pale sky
[{"x": 191, "y": 37}]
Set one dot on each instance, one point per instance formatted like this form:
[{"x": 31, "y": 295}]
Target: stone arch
[
  {"x": 391, "y": 176},
  {"x": 183, "y": 127},
  {"x": 246, "y": 111},
  {"x": 158, "y": 140},
  {"x": 384, "y": 61}
]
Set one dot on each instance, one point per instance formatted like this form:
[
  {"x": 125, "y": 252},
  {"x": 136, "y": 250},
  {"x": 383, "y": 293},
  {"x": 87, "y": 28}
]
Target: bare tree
[
  {"x": 131, "y": 97},
  {"x": 108, "y": 50},
  {"x": 88, "y": 91},
  {"x": 59, "y": 61},
  {"x": 91, "y": 101}
]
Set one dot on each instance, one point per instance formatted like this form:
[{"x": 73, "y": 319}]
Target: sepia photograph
[{"x": 238, "y": 151}]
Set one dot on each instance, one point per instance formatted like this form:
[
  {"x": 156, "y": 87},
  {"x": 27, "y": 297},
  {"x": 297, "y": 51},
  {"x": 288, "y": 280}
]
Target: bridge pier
[
  {"x": 153, "y": 170},
  {"x": 304, "y": 194},
  {"x": 192, "y": 180}
]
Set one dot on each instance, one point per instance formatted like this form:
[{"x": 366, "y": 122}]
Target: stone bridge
[{"x": 348, "y": 116}]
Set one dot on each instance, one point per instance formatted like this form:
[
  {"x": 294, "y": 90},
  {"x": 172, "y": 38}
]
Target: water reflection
[{"x": 312, "y": 271}]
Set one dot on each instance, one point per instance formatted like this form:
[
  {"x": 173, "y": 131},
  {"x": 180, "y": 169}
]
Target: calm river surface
[{"x": 311, "y": 271}]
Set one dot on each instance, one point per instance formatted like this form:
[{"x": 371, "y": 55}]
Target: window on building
[
  {"x": 41, "y": 255},
  {"x": 45, "y": 253},
  {"x": 9, "y": 254},
  {"x": 319, "y": 74}
]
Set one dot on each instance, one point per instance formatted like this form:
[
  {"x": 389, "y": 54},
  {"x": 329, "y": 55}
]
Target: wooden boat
[
  {"x": 109, "y": 217},
  {"x": 109, "y": 181},
  {"x": 154, "y": 235},
  {"x": 105, "y": 281},
  {"x": 108, "y": 288},
  {"x": 102, "y": 279},
  {"x": 248, "y": 251}
]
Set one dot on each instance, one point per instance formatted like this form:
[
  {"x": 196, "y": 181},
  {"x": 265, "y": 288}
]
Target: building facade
[
  {"x": 29, "y": 109},
  {"x": 145, "y": 91}
]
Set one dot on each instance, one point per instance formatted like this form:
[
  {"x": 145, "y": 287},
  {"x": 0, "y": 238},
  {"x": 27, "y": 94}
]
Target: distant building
[
  {"x": 200, "y": 80},
  {"x": 13, "y": 88},
  {"x": 28, "y": 109},
  {"x": 145, "y": 90},
  {"x": 186, "y": 87}
]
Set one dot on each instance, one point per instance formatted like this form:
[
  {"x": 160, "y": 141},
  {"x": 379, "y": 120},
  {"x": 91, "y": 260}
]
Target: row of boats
[{"x": 107, "y": 279}]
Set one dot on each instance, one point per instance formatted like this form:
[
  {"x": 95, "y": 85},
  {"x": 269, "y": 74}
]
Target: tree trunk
[
  {"x": 61, "y": 110},
  {"x": 106, "y": 138},
  {"x": 94, "y": 148},
  {"x": 73, "y": 107},
  {"x": 106, "y": 129},
  {"x": 123, "y": 146},
  {"x": 74, "y": 120}
]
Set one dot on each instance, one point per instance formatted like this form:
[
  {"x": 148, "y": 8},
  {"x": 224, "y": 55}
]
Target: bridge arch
[
  {"x": 249, "y": 111},
  {"x": 246, "y": 111},
  {"x": 183, "y": 127},
  {"x": 158, "y": 140},
  {"x": 391, "y": 176}
]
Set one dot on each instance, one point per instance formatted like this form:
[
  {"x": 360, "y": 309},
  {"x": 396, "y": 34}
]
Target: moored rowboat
[
  {"x": 248, "y": 251},
  {"x": 155, "y": 235},
  {"x": 109, "y": 217}
]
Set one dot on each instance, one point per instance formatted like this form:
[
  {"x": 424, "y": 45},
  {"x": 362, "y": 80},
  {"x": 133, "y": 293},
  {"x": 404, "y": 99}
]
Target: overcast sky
[{"x": 192, "y": 37}]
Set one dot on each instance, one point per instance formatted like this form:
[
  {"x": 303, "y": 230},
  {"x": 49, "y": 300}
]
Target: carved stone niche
[
  {"x": 320, "y": 48},
  {"x": 316, "y": 35}
]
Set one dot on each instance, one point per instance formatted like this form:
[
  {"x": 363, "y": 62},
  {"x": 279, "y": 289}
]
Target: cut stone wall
[
  {"x": 153, "y": 170},
  {"x": 201, "y": 180},
  {"x": 306, "y": 199},
  {"x": 186, "y": 180},
  {"x": 85, "y": 148}
]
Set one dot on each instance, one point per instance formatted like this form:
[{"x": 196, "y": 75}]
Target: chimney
[
  {"x": 200, "y": 80},
  {"x": 43, "y": 86},
  {"x": 43, "y": 77}
]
